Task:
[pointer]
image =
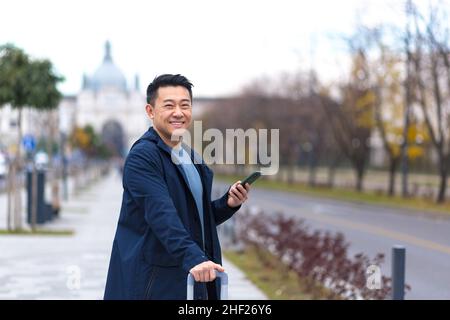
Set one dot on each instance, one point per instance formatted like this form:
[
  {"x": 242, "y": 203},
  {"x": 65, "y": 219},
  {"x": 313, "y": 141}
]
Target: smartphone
[{"x": 251, "y": 178}]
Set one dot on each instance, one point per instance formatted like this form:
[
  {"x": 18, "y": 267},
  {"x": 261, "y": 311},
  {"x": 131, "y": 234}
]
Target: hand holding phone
[
  {"x": 237, "y": 197},
  {"x": 251, "y": 178}
]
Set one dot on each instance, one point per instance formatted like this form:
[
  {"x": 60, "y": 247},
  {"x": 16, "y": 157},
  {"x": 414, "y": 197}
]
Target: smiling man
[{"x": 167, "y": 223}]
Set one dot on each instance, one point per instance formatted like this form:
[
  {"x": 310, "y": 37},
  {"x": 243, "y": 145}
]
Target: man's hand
[
  {"x": 206, "y": 271},
  {"x": 237, "y": 194}
]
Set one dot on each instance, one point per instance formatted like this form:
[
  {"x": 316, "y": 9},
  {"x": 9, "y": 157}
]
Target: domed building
[
  {"x": 108, "y": 75},
  {"x": 115, "y": 110}
]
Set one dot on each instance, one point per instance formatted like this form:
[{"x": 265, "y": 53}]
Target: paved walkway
[{"x": 75, "y": 267}]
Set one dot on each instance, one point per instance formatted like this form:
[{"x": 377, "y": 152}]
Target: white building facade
[{"x": 106, "y": 102}]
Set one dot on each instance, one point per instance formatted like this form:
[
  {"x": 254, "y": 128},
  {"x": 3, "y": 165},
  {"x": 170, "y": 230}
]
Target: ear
[{"x": 150, "y": 111}]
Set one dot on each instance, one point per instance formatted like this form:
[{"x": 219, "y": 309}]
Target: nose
[{"x": 177, "y": 112}]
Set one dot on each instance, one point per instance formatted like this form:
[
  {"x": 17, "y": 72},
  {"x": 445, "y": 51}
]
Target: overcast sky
[{"x": 219, "y": 45}]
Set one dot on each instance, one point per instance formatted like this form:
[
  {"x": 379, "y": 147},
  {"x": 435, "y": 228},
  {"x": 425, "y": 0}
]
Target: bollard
[
  {"x": 398, "y": 273},
  {"x": 41, "y": 213}
]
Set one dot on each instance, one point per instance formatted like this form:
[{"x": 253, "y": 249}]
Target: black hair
[{"x": 166, "y": 80}]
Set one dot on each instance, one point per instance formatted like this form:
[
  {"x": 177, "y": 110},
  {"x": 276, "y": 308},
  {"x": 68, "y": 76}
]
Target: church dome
[{"x": 108, "y": 75}]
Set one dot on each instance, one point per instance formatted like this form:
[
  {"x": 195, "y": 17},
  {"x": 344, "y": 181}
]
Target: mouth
[{"x": 177, "y": 124}]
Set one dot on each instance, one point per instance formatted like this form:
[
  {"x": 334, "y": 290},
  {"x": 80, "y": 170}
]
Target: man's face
[{"x": 172, "y": 111}]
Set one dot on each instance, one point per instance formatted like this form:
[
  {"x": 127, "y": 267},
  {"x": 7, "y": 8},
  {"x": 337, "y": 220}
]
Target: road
[{"x": 375, "y": 229}]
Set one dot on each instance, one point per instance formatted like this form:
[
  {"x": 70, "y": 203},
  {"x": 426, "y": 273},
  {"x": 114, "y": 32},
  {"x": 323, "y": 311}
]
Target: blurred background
[{"x": 360, "y": 91}]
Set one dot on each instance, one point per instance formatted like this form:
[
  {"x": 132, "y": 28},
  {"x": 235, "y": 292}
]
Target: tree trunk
[
  {"x": 312, "y": 169},
  {"x": 443, "y": 180},
  {"x": 331, "y": 175},
  {"x": 55, "y": 179},
  {"x": 291, "y": 175},
  {"x": 406, "y": 113},
  {"x": 392, "y": 173},
  {"x": 332, "y": 171},
  {"x": 17, "y": 193},
  {"x": 65, "y": 169},
  {"x": 312, "y": 176},
  {"x": 359, "y": 178}
]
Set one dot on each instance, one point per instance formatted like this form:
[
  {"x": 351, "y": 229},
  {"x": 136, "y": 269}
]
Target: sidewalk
[{"x": 75, "y": 267}]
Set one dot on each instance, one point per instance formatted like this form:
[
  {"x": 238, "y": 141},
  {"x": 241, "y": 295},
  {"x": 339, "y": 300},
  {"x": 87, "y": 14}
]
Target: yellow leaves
[
  {"x": 415, "y": 152},
  {"x": 396, "y": 149},
  {"x": 418, "y": 133},
  {"x": 81, "y": 138},
  {"x": 359, "y": 98},
  {"x": 389, "y": 78},
  {"x": 417, "y": 136},
  {"x": 366, "y": 100},
  {"x": 364, "y": 110},
  {"x": 365, "y": 120},
  {"x": 12, "y": 148}
]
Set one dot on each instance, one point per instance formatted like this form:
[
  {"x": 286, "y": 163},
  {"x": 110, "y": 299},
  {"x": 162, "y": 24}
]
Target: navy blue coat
[{"x": 158, "y": 238}]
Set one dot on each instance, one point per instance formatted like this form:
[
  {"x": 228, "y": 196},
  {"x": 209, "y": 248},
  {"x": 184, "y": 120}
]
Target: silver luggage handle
[{"x": 223, "y": 276}]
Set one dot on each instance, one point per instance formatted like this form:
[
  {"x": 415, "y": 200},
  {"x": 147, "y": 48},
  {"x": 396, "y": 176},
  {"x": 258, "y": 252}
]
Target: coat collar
[
  {"x": 204, "y": 171},
  {"x": 152, "y": 135}
]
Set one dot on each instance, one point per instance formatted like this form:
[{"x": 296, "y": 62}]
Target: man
[{"x": 167, "y": 223}]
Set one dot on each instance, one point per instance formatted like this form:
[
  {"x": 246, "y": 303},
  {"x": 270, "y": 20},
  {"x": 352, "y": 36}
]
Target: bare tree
[
  {"x": 387, "y": 80},
  {"x": 407, "y": 38},
  {"x": 352, "y": 117},
  {"x": 432, "y": 75},
  {"x": 287, "y": 104}
]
